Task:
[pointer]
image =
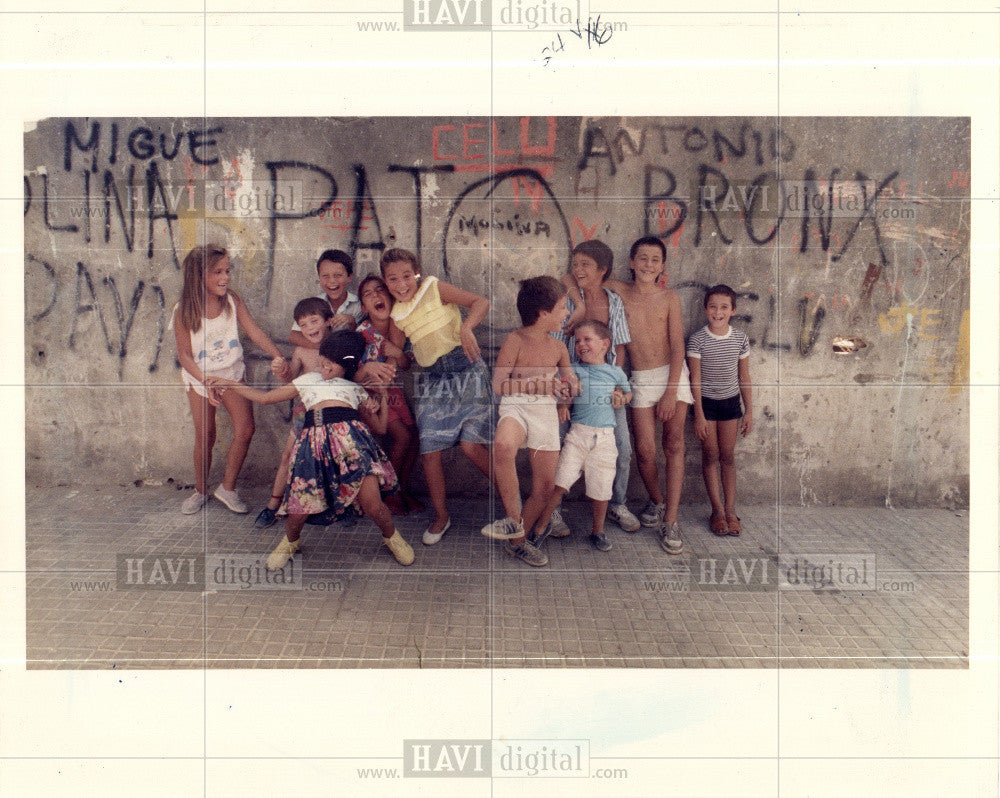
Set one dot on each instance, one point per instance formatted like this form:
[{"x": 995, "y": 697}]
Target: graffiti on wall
[{"x": 508, "y": 197}]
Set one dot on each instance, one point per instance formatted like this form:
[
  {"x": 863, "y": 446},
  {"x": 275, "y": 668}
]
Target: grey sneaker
[
  {"x": 670, "y": 538},
  {"x": 193, "y": 503},
  {"x": 621, "y": 515},
  {"x": 557, "y": 527},
  {"x": 503, "y": 529},
  {"x": 525, "y": 551},
  {"x": 652, "y": 513}
]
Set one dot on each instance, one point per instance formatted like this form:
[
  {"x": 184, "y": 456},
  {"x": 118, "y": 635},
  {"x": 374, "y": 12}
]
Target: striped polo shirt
[{"x": 720, "y": 356}]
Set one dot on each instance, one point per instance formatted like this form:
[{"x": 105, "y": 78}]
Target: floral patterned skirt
[{"x": 328, "y": 464}]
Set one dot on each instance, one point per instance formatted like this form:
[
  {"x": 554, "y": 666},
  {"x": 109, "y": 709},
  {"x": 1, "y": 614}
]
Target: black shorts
[{"x": 722, "y": 409}]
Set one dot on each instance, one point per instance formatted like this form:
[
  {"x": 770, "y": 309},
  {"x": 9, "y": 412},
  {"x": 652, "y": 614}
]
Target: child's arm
[
  {"x": 746, "y": 391},
  {"x": 296, "y": 338},
  {"x": 700, "y": 424},
  {"x": 398, "y": 339},
  {"x": 478, "y": 307},
  {"x": 675, "y": 338},
  {"x": 374, "y": 411},
  {"x": 579, "y": 308},
  {"x": 280, "y": 394},
  {"x": 343, "y": 321},
  {"x": 279, "y": 367},
  {"x": 296, "y": 366}
]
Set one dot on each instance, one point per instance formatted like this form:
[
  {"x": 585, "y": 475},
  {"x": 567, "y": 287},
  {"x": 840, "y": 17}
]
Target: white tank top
[{"x": 216, "y": 346}]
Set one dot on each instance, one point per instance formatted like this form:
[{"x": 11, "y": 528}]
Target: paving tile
[{"x": 465, "y": 604}]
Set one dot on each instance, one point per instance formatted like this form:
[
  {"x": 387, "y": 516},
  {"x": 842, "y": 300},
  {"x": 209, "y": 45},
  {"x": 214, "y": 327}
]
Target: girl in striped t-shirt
[{"x": 719, "y": 360}]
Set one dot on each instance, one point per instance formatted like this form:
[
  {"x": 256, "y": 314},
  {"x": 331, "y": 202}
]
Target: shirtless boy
[
  {"x": 660, "y": 383},
  {"x": 532, "y": 373}
]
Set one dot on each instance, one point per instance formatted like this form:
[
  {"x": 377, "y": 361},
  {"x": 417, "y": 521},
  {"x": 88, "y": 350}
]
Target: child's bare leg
[
  {"x": 550, "y": 507},
  {"x": 727, "y": 433},
  {"x": 543, "y": 475},
  {"x": 479, "y": 454},
  {"x": 644, "y": 431},
  {"x": 710, "y": 466},
  {"x": 434, "y": 474},
  {"x": 293, "y": 526},
  {"x": 241, "y": 412},
  {"x": 281, "y": 476},
  {"x": 371, "y": 502},
  {"x": 402, "y": 451},
  {"x": 673, "y": 450},
  {"x": 399, "y": 443},
  {"x": 506, "y": 443},
  {"x": 203, "y": 415},
  {"x": 599, "y": 511}
]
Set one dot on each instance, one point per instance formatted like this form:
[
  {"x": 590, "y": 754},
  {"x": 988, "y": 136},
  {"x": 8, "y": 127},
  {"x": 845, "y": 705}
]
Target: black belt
[{"x": 330, "y": 415}]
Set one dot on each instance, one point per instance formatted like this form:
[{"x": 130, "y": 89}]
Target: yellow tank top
[{"x": 431, "y": 325}]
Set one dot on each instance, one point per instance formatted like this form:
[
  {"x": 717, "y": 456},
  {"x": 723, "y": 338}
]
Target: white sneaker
[
  {"x": 621, "y": 515},
  {"x": 193, "y": 503},
  {"x": 503, "y": 529},
  {"x": 557, "y": 527},
  {"x": 430, "y": 538},
  {"x": 231, "y": 499}
]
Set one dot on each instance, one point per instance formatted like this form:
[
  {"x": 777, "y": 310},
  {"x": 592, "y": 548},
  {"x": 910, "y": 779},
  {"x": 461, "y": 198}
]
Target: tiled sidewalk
[{"x": 724, "y": 602}]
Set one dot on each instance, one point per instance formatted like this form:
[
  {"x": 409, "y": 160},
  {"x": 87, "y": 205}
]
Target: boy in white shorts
[
  {"x": 531, "y": 374},
  {"x": 589, "y": 447}
]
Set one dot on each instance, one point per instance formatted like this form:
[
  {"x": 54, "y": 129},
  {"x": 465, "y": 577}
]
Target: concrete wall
[{"x": 827, "y": 227}]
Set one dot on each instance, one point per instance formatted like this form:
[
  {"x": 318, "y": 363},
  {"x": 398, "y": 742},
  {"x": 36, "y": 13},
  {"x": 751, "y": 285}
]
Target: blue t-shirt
[{"x": 593, "y": 406}]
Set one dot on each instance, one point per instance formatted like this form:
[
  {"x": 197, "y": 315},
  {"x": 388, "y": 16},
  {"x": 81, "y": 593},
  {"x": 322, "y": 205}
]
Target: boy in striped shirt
[{"x": 718, "y": 357}]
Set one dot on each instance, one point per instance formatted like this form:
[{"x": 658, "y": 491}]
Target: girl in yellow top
[{"x": 454, "y": 393}]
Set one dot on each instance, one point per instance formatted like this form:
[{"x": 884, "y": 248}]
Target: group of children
[{"x": 565, "y": 364}]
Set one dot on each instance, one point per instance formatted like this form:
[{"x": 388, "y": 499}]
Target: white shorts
[
  {"x": 648, "y": 386},
  {"x": 537, "y": 416},
  {"x": 234, "y": 372},
  {"x": 590, "y": 450}
]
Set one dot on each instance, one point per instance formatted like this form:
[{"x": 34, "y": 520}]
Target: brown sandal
[
  {"x": 717, "y": 523},
  {"x": 733, "y": 522}
]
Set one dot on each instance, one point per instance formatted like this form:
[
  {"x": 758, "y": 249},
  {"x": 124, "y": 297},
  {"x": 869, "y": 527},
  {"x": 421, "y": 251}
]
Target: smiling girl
[{"x": 206, "y": 323}]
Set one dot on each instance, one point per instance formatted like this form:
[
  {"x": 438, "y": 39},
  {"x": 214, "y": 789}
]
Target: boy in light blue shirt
[{"x": 589, "y": 447}]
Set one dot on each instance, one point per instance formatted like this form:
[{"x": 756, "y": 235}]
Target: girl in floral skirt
[{"x": 336, "y": 462}]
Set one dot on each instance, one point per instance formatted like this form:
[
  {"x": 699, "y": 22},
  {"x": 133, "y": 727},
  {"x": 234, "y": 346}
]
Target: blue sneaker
[
  {"x": 265, "y": 518},
  {"x": 600, "y": 542}
]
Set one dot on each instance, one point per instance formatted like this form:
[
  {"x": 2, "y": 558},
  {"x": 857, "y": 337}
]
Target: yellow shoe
[
  {"x": 282, "y": 554},
  {"x": 400, "y": 549}
]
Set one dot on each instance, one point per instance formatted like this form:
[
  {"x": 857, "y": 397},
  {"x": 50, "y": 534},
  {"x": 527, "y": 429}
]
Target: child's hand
[
  {"x": 574, "y": 319},
  {"x": 215, "y": 395},
  {"x": 563, "y": 412},
  {"x": 667, "y": 405},
  {"x": 375, "y": 373},
  {"x": 562, "y": 390},
  {"x": 279, "y": 368},
  {"x": 220, "y": 382},
  {"x": 342, "y": 321},
  {"x": 618, "y": 398},
  {"x": 700, "y": 427},
  {"x": 747, "y": 424},
  {"x": 371, "y": 405},
  {"x": 469, "y": 345}
]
